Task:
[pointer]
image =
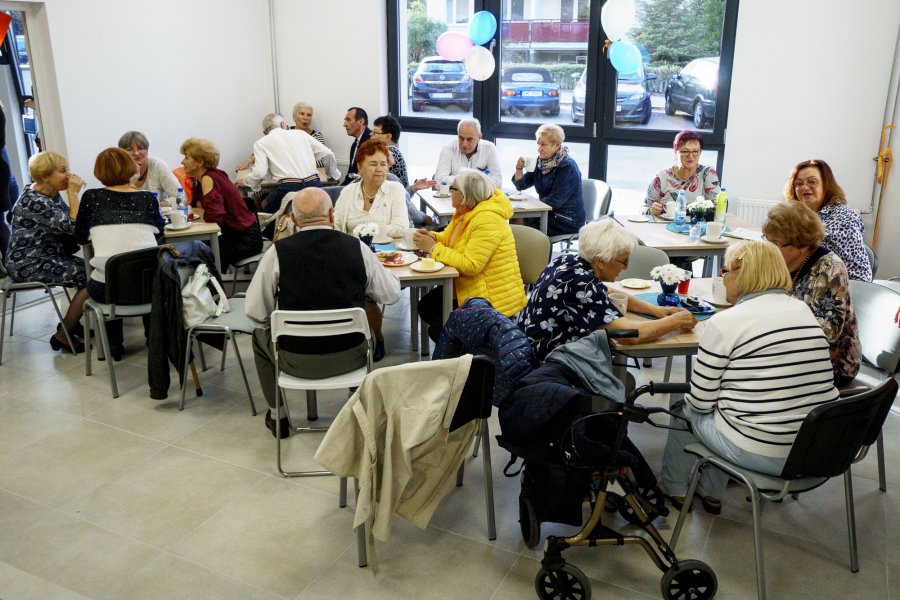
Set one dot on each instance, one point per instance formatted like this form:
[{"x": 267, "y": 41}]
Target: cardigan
[{"x": 388, "y": 209}]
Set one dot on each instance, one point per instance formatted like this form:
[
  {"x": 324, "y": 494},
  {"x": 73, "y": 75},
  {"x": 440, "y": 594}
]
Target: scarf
[{"x": 548, "y": 165}]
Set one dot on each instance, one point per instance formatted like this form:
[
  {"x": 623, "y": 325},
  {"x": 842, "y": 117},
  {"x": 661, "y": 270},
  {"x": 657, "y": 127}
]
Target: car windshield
[
  {"x": 708, "y": 73},
  {"x": 528, "y": 77},
  {"x": 635, "y": 76},
  {"x": 443, "y": 67}
]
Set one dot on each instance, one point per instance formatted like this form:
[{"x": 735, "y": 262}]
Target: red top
[{"x": 224, "y": 204}]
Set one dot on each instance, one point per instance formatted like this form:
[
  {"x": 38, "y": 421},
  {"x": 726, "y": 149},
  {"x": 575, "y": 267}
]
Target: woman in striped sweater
[{"x": 761, "y": 367}]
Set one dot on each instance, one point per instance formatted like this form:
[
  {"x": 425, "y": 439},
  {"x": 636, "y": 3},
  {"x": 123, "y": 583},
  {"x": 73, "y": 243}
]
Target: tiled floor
[{"x": 130, "y": 498}]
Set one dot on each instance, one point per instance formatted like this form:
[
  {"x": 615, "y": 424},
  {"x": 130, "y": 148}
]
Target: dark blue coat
[{"x": 561, "y": 189}]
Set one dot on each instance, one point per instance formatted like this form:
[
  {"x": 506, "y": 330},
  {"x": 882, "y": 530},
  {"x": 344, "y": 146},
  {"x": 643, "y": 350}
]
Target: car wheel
[
  {"x": 647, "y": 116},
  {"x": 699, "y": 119},
  {"x": 418, "y": 106},
  {"x": 575, "y": 119},
  {"x": 554, "y": 112},
  {"x": 670, "y": 106}
]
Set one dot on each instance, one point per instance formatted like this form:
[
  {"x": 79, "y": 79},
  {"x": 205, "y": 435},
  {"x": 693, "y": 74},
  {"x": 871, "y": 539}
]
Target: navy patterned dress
[
  {"x": 36, "y": 249},
  {"x": 845, "y": 236},
  {"x": 567, "y": 303}
]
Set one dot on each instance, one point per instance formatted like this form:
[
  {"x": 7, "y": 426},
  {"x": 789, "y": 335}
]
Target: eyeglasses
[
  {"x": 624, "y": 263},
  {"x": 690, "y": 152},
  {"x": 454, "y": 189},
  {"x": 727, "y": 271},
  {"x": 811, "y": 182},
  {"x": 134, "y": 150},
  {"x": 779, "y": 244}
]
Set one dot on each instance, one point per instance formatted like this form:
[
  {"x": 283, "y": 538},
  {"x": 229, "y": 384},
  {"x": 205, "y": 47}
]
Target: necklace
[
  {"x": 367, "y": 196},
  {"x": 800, "y": 268}
]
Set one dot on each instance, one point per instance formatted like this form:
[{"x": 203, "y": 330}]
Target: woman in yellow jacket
[{"x": 480, "y": 244}]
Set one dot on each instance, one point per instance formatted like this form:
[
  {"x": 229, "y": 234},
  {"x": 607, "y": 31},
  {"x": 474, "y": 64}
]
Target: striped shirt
[{"x": 762, "y": 366}]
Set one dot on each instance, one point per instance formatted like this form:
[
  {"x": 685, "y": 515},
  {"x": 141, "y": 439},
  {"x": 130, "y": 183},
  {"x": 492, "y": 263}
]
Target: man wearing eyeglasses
[{"x": 687, "y": 174}]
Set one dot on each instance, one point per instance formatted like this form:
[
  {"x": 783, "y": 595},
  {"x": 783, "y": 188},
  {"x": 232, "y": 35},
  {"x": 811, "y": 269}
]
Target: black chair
[
  {"x": 129, "y": 291},
  {"x": 245, "y": 263},
  {"x": 334, "y": 191},
  {"x": 833, "y": 436}
]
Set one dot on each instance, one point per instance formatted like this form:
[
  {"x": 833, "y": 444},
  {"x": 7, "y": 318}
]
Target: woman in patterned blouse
[
  {"x": 813, "y": 183},
  {"x": 386, "y": 129},
  {"x": 41, "y": 222},
  {"x": 819, "y": 278},
  {"x": 688, "y": 174}
]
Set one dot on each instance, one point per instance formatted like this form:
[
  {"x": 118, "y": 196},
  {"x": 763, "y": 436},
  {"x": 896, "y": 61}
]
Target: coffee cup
[
  {"x": 444, "y": 188},
  {"x": 714, "y": 230},
  {"x": 718, "y": 290},
  {"x": 178, "y": 218},
  {"x": 671, "y": 206},
  {"x": 620, "y": 301},
  {"x": 530, "y": 163},
  {"x": 408, "y": 236}
]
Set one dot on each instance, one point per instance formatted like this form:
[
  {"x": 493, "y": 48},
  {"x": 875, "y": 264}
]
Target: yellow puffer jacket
[{"x": 484, "y": 253}]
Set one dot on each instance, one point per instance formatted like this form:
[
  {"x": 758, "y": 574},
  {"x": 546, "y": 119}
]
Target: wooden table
[
  {"x": 526, "y": 207},
  {"x": 670, "y": 345},
  {"x": 417, "y": 282},
  {"x": 656, "y": 235}
]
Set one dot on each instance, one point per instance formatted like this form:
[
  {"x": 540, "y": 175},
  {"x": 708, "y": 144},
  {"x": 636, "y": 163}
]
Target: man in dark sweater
[
  {"x": 356, "y": 124},
  {"x": 317, "y": 268}
]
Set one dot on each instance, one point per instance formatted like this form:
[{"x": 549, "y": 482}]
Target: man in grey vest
[{"x": 317, "y": 268}]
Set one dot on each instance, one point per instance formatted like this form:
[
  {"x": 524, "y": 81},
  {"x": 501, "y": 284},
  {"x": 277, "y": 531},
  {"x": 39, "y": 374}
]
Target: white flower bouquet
[
  {"x": 667, "y": 274},
  {"x": 364, "y": 230},
  {"x": 700, "y": 205}
]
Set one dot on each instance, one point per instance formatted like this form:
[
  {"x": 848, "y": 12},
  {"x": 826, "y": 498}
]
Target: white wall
[
  {"x": 810, "y": 80},
  {"x": 172, "y": 69}
]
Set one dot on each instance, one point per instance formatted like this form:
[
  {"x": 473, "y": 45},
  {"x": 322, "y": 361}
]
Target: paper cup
[
  {"x": 620, "y": 301},
  {"x": 444, "y": 188},
  {"x": 530, "y": 163},
  {"x": 177, "y": 218},
  {"x": 671, "y": 206}
]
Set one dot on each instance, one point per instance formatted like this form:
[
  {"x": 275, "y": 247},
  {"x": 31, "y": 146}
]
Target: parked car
[
  {"x": 694, "y": 89},
  {"x": 632, "y": 97},
  {"x": 528, "y": 88},
  {"x": 441, "y": 82}
]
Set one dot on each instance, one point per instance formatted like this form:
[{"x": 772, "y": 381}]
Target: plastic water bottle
[
  {"x": 721, "y": 206},
  {"x": 680, "y": 209},
  {"x": 181, "y": 204}
]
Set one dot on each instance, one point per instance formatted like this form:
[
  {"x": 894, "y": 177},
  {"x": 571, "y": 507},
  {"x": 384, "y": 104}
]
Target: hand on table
[
  {"x": 683, "y": 319},
  {"x": 424, "y": 240},
  {"x": 657, "y": 208}
]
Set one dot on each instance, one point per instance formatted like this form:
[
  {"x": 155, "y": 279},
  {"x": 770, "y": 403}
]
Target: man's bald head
[{"x": 312, "y": 206}]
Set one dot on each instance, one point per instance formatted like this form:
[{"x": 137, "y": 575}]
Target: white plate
[
  {"x": 408, "y": 258},
  {"x": 437, "y": 195},
  {"x": 709, "y": 240},
  {"x": 403, "y": 246},
  {"x": 710, "y": 300},
  {"x": 383, "y": 239},
  {"x": 635, "y": 284},
  {"x": 639, "y": 218},
  {"x": 173, "y": 227},
  {"x": 418, "y": 267}
]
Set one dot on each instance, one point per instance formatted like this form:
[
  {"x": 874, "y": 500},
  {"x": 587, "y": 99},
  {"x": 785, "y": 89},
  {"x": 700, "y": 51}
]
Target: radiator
[
  {"x": 754, "y": 210},
  {"x": 344, "y": 166}
]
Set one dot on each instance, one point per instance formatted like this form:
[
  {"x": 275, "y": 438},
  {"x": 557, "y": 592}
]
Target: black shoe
[
  {"x": 116, "y": 351},
  {"x": 379, "y": 351},
  {"x": 283, "y": 422},
  {"x": 56, "y": 344}
]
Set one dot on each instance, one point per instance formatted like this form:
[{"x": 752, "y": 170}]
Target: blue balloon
[
  {"x": 482, "y": 27},
  {"x": 624, "y": 56}
]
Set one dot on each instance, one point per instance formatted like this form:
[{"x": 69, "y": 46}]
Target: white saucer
[
  {"x": 383, "y": 239},
  {"x": 709, "y": 240},
  {"x": 172, "y": 227},
  {"x": 717, "y": 304},
  {"x": 417, "y": 266},
  {"x": 403, "y": 246},
  {"x": 639, "y": 218},
  {"x": 436, "y": 195},
  {"x": 635, "y": 284}
]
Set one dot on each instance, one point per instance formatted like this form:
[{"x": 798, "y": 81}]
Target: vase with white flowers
[
  {"x": 701, "y": 209},
  {"x": 366, "y": 232},
  {"x": 668, "y": 277}
]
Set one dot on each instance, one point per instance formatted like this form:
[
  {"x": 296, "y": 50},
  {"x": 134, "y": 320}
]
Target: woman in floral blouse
[
  {"x": 813, "y": 183},
  {"x": 688, "y": 174},
  {"x": 569, "y": 300},
  {"x": 819, "y": 278}
]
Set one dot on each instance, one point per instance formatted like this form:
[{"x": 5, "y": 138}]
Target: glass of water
[{"x": 695, "y": 233}]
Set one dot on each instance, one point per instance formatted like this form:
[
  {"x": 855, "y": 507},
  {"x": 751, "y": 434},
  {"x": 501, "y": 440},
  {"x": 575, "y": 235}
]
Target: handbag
[
  {"x": 197, "y": 299},
  {"x": 284, "y": 227}
]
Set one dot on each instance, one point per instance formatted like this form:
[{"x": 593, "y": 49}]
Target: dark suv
[
  {"x": 441, "y": 82},
  {"x": 632, "y": 97},
  {"x": 693, "y": 90}
]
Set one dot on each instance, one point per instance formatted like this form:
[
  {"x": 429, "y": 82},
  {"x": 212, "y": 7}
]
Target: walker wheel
[
  {"x": 565, "y": 583},
  {"x": 528, "y": 523},
  {"x": 690, "y": 580}
]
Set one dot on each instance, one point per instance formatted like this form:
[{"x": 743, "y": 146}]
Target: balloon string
[{"x": 606, "y": 44}]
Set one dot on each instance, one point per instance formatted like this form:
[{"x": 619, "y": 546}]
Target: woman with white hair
[
  {"x": 569, "y": 300},
  {"x": 480, "y": 244},
  {"x": 557, "y": 180},
  {"x": 303, "y": 114}
]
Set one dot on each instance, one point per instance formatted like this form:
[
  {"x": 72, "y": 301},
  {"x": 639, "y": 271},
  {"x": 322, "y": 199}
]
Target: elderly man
[
  {"x": 288, "y": 156},
  {"x": 317, "y": 268},
  {"x": 356, "y": 124},
  {"x": 469, "y": 151}
]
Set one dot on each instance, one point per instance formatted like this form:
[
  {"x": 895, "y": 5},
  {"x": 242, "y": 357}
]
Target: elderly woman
[
  {"x": 569, "y": 300},
  {"x": 761, "y": 367},
  {"x": 115, "y": 219},
  {"x": 42, "y": 223},
  {"x": 556, "y": 179},
  {"x": 818, "y": 278},
  {"x": 303, "y": 114},
  {"x": 813, "y": 183},
  {"x": 153, "y": 174},
  {"x": 386, "y": 129},
  {"x": 222, "y": 202},
  {"x": 480, "y": 245},
  {"x": 687, "y": 174}
]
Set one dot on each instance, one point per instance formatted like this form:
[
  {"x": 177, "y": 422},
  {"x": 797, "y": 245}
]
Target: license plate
[
  {"x": 531, "y": 93},
  {"x": 441, "y": 95},
  {"x": 618, "y": 108}
]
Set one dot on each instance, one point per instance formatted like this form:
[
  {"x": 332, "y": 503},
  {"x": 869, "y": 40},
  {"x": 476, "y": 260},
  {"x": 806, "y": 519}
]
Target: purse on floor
[{"x": 198, "y": 303}]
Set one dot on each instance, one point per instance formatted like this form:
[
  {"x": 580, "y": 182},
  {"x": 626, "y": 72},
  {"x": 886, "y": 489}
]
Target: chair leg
[
  {"x": 488, "y": 481},
  {"x": 879, "y": 450},
  {"x": 851, "y": 521},
  {"x": 686, "y": 507},
  {"x": 361, "y": 555},
  {"x": 110, "y": 368},
  {"x": 312, "y": 405},
  {"x": 203, "y": 366},
  {"x": 62, "y": 321},
  {"x": 342, "y": 494},
  {"x": 756, "y": 502},
  {"x": 460, "y": 473},
  {"x": 12, "y": 315},
  {"x": 478, "y": 435},
  {"x": 240, "y": 362},
  {"x": 88, "y": 322},
  {"x": 187, "y": 362},
  {"x": 668, "y": 372},
  {"x": 2, "y": 324}
]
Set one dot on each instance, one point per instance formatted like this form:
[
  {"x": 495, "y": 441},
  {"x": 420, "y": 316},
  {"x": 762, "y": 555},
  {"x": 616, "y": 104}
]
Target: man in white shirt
[
  {"x": 317, "y": 268},
  {"x": 469, "y": 151},
  {"x": 289, "y": 157}
]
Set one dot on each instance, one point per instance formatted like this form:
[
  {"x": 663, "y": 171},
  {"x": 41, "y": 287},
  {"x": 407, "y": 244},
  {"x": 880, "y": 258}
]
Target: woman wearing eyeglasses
[
  {"x": 153, "y": 174},
  {"x": 687, "y": 174},
  {"x": 813, "y": 183},
  {"x": 818, "y": 278},
  {"x": 762, "y": 365}
]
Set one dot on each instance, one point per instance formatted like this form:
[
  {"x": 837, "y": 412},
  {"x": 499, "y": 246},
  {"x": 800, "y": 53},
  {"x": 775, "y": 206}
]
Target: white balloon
[
  {"x": 617, "y": 17},
  {"x": 480, "y": 63}
]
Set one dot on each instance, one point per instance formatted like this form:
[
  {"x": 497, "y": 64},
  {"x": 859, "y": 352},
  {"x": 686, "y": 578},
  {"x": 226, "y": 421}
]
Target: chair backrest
[
  {"x": 833, "y": 434},
  {"x": 319, "y": 323},
  {"x": 129, "y": 276},
  {"x": 589, "y": 196},
  {"x": 334, "y": 191},
  {"x": 879, "y": 336},
  {"x": 602, "y": 198},
  {"x": 642, "y": 261},
  {"x": 477, "y": 394},
  {"x": 873, "y": 260},
  {"x": 532, "y": 250}
]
